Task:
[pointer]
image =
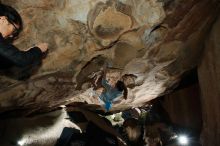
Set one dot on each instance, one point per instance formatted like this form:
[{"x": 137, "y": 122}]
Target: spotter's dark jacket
[{"x": 10, "y": 55}]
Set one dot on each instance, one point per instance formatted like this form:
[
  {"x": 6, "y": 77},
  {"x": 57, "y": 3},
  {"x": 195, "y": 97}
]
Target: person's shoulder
[{"x": 1, "y": 38}]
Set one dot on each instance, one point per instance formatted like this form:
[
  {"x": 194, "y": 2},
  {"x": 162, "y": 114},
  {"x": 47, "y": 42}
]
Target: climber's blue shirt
[{"x": 109, "y": 94}]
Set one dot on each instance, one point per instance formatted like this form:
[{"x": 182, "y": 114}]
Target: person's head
[
  {"x": 10, "y": 22},
  {"x": 121, "y": 87}
]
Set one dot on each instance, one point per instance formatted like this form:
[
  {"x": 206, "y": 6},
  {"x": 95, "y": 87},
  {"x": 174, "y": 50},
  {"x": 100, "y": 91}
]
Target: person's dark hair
[
  {"x": 121, "y": 87},
  {"x": 12, "y": 16}
]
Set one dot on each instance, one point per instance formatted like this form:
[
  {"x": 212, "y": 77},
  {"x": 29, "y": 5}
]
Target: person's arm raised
[{"x": 23, "y": 58}]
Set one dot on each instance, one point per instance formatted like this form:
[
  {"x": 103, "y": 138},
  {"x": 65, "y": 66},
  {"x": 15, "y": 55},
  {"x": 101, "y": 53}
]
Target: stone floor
[{"x": 42, "y": 130}]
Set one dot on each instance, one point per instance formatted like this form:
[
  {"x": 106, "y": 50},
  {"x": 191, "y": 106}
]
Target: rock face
[
  {"x": 147, "y": 43},
  {"x": 209, "y": 75},
  {"x": 182, "y": 107}
]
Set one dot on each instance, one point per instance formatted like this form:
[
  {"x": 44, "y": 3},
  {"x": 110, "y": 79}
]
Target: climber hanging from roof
[{"x": 111, "y": 90}]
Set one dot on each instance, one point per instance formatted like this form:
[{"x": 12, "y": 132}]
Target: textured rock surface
[
  {"x": 182, "y": 107},
  {"x": 152, "y": 42},
  {"x": 209, "y": 76}
]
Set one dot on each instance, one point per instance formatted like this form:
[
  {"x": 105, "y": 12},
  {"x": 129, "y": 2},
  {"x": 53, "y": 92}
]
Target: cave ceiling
[{"x": 147, "y": 43}]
